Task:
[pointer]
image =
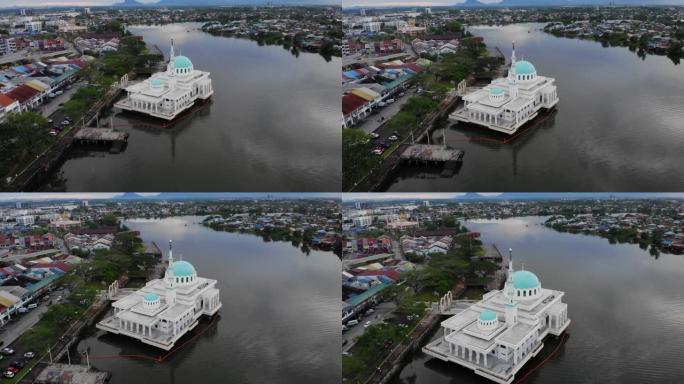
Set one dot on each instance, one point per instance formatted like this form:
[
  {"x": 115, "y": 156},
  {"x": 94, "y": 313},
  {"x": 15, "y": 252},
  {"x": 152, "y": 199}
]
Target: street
[
  {"x": 372, "y": 122},
  {"x": 32, "y": 56},
  {"x": 20, "y": 323},
  {"x": 54, "y": 104},
  {"x": 381, "y": 311}
]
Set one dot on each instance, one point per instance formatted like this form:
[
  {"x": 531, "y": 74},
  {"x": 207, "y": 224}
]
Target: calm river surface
[
  {"x": 619, "y": 124},
  {"x": 280, "y": 320},
  {"x": 626, "y": 307},
  {"x": 273, "y": 125}
]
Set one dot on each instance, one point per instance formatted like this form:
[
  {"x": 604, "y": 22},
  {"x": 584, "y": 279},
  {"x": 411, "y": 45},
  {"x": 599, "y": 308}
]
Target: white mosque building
[
  {"x": 167, "y": 94},
  {"x": 164, "y": 310},
  {"x": 498, "y": 335},
  {"x": 506, "y": 104}
]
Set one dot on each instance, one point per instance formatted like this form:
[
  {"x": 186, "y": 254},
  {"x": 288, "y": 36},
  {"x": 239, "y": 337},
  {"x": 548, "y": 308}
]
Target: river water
[
  {"x": 273, "y": 125},
  {"x": 619, "y": 125},
  {"x": 626, "y": 307},
  {"x": 280, "y": 320}
]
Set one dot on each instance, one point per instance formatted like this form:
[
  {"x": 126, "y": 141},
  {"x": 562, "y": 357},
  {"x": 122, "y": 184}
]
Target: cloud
[
  {"x": 4, "y": 197},
  {"x": 148, "y": 194},
  {"x": 399, "y": 196},
  {"x": 489, "y": 194}
]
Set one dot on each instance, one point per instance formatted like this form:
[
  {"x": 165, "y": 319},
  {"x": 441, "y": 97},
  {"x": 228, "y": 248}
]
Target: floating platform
[
  {"x": 100, "y": 136},
  {"x": 432, "y": 153},
  {"x": 71, "y": 374}
]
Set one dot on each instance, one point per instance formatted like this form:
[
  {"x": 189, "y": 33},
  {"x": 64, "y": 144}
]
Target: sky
[
  {"x": 43, "y": 196},
  {"x": 513, "y": 196},
  {"x": 63, "y": 3}
]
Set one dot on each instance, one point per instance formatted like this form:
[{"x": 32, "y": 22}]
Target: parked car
[
  {"x": 374, "y": 135},
  {"x": 18, "y": 364},
  {"x": 389, "y": 101},
  {"x": 352, "y": 322},
  {"x": 32, "y": 306},
  {"x": 8, "y": 374},
  {"x": 382, "y": 104},
  {"x": 29, "y": 355},
  {"x": 7, "y": 351},
  {"x": 393, "y": 138},
  {"x": 368, "y": 324}
]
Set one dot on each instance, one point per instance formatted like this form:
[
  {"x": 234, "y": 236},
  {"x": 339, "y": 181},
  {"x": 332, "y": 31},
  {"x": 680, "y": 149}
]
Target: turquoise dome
[
  {"x": 524, "y": 67},
  {"x": 487, "y": 315},
  {"x": 525, "y": 280},
  {"x": 183, "y": 269},
  {"x": 156, "y": 82},
  {"x": 182, "y": 62},
  {"x": 151, "y": 296},
  {"x": 496, "y": 91}
]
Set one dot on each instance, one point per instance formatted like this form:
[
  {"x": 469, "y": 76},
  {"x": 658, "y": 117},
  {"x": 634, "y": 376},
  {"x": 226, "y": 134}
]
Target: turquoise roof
[
  {"x": 367, "y": 294},
  {"x": 487, "y": 315},
  {"x": 496, "y": 91},
  {"x": 182, "y": 62},
  {"x": 525, "y": 280},
  {"x": 524, "y": 67},
  {"x": 151, "y": 296},
  {"x": 183, "y": 268},
  {"x": 157, "y": 82}
]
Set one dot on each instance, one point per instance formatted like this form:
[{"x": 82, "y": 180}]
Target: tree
[
  {"x": 454, "y": 26},
  {"x": 449, "y": 221}
]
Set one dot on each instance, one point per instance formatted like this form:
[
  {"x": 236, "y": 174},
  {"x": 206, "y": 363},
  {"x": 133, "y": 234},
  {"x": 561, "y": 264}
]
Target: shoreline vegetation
[
  {"x": 651, "y": 241},
  {"x": 306, "y": 240},
  {"x": 294, "y": 43},
  {"x": 639, "y": 45}
]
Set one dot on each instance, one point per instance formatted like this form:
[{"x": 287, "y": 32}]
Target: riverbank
[
  {"x": 380, "y": 352},
  {"x": 363, "y": 169},
  {"x": 102, "y": 87}
]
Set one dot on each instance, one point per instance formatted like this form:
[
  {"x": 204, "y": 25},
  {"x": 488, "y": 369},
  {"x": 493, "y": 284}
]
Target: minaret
[
  {"x": 511, "y": 308},
  {"x": 170, "y": 68},
  {"x": 170, "y": 279},
  {"x": 513, "y": 54},
  {"x": 512, "y": 78}
]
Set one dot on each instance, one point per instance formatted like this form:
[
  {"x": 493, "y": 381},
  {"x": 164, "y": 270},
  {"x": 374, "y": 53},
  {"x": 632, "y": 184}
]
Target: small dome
[
  {"x": 525, "y": 280},
  {"x": 182, "y": 62},
  {"x": 183, "y": 269},
  {"x": 524, "y": 67},
  {"x": 496, "y": 91},
  {"x": 151, "y": 296},
  {"x": 487, "y": 315}
]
